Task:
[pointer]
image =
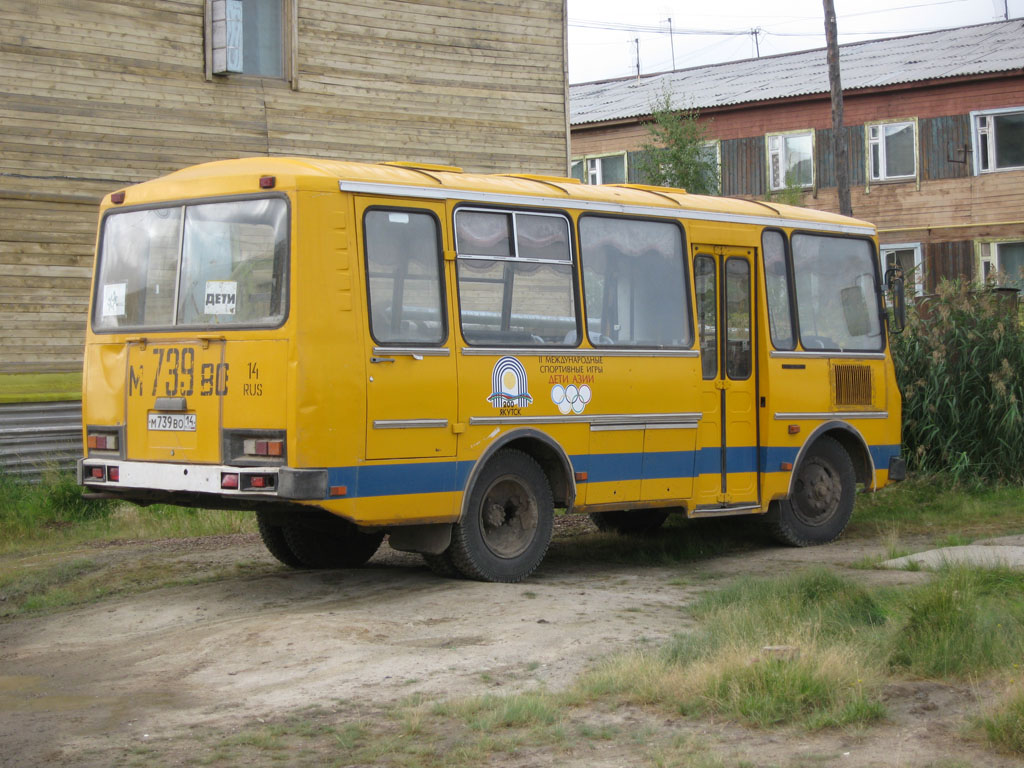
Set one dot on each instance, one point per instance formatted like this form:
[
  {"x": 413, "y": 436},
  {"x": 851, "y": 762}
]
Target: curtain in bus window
[
  {"x": 542, "y": 237},
  {"x": 403, "y": 264},
  {"x": 634, "y": 283},
  {"x": 776, "y": 278},
  {"x": 515, "y": 278},
  {"x": 836, "y": 293},
  {"x": 483, "y": 233}
]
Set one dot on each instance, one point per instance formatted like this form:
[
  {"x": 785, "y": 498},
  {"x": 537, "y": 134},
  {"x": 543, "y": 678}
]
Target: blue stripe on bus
[{"x": 448, "y": 476}]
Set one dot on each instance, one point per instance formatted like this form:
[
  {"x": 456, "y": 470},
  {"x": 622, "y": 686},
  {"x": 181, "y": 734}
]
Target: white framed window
[
  {"x": 250, "y": 37},
  {"x": 790, "y": 159},
  {"x": 711, "y": 152},
  {"x": 998, "y": 139},
  {"x": 906, "y": 256},
  {"x": 892, "y": 150},
  {"x": 600, "y": 169},
  {"x": 1001, "y": 262}
]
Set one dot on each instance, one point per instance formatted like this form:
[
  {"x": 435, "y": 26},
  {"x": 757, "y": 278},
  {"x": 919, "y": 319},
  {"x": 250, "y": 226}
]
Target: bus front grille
[{"x": 851, "y": 384}]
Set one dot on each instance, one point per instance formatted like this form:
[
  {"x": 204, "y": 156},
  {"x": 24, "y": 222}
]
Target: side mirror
[{"x": 894, "y": 282}]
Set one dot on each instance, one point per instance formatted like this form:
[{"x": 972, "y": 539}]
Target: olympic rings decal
[{"x": 571, "y": 399}]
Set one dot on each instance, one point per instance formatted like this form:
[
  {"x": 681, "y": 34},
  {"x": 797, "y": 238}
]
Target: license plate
[{"x": 172, "y": 422}]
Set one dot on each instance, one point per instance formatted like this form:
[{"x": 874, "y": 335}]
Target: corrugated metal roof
[{"x": 980, "y": 49}]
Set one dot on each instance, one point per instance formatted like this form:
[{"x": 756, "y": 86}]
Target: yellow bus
[{"x": 352, "y": 350}]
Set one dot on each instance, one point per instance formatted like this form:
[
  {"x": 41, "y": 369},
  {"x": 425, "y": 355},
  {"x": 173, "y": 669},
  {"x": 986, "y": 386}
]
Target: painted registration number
[{"x": 172, "y": 422}]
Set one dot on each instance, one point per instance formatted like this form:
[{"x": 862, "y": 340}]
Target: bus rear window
[{"x": 203, "y": 265}]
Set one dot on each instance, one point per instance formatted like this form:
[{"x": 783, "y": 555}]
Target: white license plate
[{"x": 172, "y": 422}]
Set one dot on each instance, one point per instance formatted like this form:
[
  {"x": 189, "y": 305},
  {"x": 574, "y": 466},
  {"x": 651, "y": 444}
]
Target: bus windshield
[{"x": 201, "y": 265}]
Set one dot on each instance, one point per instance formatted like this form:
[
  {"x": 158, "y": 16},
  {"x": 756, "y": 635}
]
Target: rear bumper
[{"x": 274, "y": 482}]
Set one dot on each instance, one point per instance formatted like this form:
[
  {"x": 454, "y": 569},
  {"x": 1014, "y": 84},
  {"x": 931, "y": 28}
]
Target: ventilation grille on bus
[{"x": 851, "y": 384}]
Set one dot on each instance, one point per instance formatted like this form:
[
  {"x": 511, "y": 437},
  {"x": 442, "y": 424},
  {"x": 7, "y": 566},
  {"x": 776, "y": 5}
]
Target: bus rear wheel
[
  {"x": 506, "y": 529},
  {"x": 344, "y": 546},
  {"x": 821, "y": 504},
  {"x": 630, "y": 521},
  {"x": 273, "y": 540}
]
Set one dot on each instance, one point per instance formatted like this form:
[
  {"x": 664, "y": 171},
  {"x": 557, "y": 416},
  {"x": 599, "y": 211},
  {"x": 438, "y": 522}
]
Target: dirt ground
[{"x": 85, "y": 686}]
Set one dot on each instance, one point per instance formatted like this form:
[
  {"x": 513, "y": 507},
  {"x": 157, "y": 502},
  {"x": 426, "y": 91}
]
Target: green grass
[
  {"x": 43, "y": 527},
  {"x": 965, "y": 623},
  {"x": 53, "y": 515},
  {"x": 828, "y": 676},
  {"x": 40, "y": 387},
  {"x": 1004, "y": 725},
  {"x": 936, "y": 508}
]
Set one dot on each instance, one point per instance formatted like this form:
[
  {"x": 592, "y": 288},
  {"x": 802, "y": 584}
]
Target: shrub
[{"x": 959, "y": 365}]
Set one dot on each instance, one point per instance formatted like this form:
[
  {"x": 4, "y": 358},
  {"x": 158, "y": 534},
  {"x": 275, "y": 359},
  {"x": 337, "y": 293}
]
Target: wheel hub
[
  {"x": 819, "y": 492},
  {"x": 508, "y": 518}
]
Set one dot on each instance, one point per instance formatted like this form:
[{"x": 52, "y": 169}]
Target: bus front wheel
[
  {"x": 506, "y": 529},
  {"x": 821, "y": 503}
]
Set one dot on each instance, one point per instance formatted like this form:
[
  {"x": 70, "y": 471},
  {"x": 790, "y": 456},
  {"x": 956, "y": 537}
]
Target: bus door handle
[{"x": 376, "y": 359}]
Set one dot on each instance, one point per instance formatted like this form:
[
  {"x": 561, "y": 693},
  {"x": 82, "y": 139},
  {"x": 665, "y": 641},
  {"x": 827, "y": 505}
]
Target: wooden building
[
  {"x": 99, "y": 94},
  {"x": 934, "y": 125}
]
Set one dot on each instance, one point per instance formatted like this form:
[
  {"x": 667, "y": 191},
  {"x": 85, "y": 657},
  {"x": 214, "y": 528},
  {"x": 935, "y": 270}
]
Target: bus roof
[{"x": 228, "y": 177}]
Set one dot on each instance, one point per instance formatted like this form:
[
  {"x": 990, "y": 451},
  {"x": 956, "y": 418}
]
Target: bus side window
[
  {"x": 707, "y": 313},
  {"x": 634, "y": 283},
  {"x": 403, "y": 257},
  {"x": 515, "y": 278},
  {"x": 737, "y": 316},
  {"x": 776, "y": 278}
]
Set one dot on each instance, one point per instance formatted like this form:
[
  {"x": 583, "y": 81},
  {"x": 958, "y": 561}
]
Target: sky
[{"x": 603, "y": 33}]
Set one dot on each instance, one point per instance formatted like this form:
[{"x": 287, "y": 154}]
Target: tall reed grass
[{"x": 960, "y": 368}]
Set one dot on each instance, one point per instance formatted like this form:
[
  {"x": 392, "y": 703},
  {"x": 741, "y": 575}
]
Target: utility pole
[
  {"x": 838, "y": 133},
  {"x": 636, "y": 41},
  {"x": 756, "y": 34},
  {"x": 672, "y": 43}
]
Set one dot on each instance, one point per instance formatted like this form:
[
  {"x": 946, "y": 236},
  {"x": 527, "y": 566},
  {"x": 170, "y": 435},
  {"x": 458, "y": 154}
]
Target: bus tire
[
  {"x": 821, "y": 504},
  {"x": 345, "y": 547},
  {"x": 506, "y": 529},
  {"x": 442, "y": 565},
  {"x": 273, "y": 540},
  {"x": 630, "y": 521}
]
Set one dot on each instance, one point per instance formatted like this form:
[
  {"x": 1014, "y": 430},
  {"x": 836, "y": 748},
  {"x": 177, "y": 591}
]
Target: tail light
[
  {"x": 102, "y": 439},
  {"x": 255, "y": 447}
]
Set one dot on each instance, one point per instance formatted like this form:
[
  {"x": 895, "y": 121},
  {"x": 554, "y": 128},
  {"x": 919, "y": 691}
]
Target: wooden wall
[{"x": 97, "y": 94}]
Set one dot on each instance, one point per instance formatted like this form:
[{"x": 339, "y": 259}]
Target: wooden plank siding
[
  {"x": 947, "y": 260},
  {"x": 743, "y": 167},
  {"x": 945, "y": 147},
  {"x": 99, "y": 94}
]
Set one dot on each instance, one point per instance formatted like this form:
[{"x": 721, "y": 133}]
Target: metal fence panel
[{"x": 36, "y": 437}]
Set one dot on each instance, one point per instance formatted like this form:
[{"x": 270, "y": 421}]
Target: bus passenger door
[
  {"x": 411, "y": 389},
  {"x": 728, "y": 461}
]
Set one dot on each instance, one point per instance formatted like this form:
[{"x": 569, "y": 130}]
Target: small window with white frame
[
  {"x": 998, "y": 136},
  {"x": 600, "y": 169},
  {"x": 790, "y": 159},
  {"x": 892, "y": 150},
  {"x": 250, "y": 37},
  {"x": 1001, "y": 263},
  {"x": 907, "y": 257}
]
